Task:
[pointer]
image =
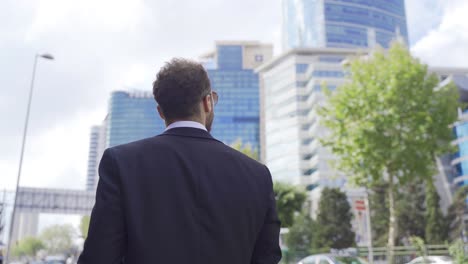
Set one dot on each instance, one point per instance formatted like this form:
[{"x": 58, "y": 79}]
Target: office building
[
  {"x": 459, "y": 159},
  {"x": 132, "y": 116},
  {"x": 97, "y": 145},
  {"x": 342, "y": 23},
  {"x": 291, "y": 88},
  {"x": 230, "y": 69}
]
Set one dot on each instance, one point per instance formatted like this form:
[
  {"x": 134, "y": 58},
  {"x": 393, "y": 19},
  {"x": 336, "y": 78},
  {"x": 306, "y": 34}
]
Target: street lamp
[{"x": 25, "y": 130}]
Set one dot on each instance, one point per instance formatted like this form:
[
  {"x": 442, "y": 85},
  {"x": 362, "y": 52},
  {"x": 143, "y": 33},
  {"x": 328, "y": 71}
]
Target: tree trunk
[{"x": 393, "y": 225}]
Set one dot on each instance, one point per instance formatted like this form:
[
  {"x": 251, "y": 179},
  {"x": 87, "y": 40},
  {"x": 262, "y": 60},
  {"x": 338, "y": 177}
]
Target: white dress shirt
[{"x": 191, "y": 124}]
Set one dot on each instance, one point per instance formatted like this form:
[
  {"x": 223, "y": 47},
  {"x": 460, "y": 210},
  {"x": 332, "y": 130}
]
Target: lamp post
[{"x": 25, "y": 131}]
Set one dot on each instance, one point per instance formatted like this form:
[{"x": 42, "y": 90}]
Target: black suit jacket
[{"x": 182, "y": 197}]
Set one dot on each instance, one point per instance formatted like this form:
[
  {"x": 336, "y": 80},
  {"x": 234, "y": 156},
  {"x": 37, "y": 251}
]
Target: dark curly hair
[{"x": 179, "y": 87}]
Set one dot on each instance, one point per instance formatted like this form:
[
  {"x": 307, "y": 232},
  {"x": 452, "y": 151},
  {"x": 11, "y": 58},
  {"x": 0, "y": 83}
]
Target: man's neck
[{"x": 186, "y": 123}]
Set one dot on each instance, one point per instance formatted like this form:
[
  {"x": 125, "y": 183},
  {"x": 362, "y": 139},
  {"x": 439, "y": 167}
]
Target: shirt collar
[{"x": 191, "y": 124}]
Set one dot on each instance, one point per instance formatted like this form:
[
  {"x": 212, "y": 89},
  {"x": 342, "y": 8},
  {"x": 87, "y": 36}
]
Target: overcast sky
[{"x": 106, "y": 45}]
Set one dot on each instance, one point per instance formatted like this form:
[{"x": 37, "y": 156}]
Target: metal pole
[
  {"x": 369, "y": 229},
  {"x": 10, "y": 232}
]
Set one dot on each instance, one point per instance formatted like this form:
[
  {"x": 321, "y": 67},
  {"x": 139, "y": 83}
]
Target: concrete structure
[
  {"x": 342, "y": 23},
  {"x": 230, "y": 69},
  {"x": 291, "y": 89}
]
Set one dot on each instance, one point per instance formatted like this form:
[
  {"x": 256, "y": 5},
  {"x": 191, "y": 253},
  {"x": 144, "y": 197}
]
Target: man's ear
[
  {"x": 207, "y": 104},
  {"x": 161, "y": 114}
]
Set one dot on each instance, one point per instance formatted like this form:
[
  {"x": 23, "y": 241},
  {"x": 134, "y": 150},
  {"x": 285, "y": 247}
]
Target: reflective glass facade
[
  {"x": 461, "y": 157},
  {"x": 132, "y": 116},
  {"x": 232, "y": 77},
  {"x": 342, "y": 23}
]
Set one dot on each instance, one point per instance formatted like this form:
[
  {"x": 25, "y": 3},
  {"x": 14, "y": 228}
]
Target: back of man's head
[{"x": 179, "y": 87}]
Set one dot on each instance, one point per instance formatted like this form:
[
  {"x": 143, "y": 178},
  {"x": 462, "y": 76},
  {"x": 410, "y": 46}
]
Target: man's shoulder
[
  {"x": 138, "y": 145},
  {"x": 244, "y": 158}
]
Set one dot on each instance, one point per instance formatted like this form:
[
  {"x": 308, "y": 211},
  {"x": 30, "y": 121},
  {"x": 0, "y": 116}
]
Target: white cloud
[
  {"x": 105, "y": 45},
  {"x": 447, "y": 44},
  {"x": 56, "y": 158},
  {"x": 422, "y": 17},
  {"x": 102, "y": 15},
  {"x": 99, "y": 46}
]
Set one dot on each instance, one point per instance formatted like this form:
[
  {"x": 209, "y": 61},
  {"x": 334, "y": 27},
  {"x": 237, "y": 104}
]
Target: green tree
[
  {"x": 388, "y": 123},
  {"x": 411, "y": 211},
  {"x": 436, "y": 226},
  {"x": 289, "y": 201},
  {"x": 84, "y": 226},
  {"x": 379, "y": 213},
  {"x": 457, "y": 251},
  {"x": 334, "y": 221},
  {"x": 301, "y": 233},
  {"x": 58, "y": 238},
  {"x": 245, "y": 149},
  {"x": 456, "y": 212},
  {"x": 420, "y": 246},
  {"x": 28, "y": 246}
]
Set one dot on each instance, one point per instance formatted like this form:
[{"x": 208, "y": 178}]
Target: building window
[
  {"x": 301, "y": 68},
  {"x": 259, "y": 58},
  {"x": 309, "y": 172}
]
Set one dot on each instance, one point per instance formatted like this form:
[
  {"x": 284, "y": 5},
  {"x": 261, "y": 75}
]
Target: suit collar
[{"x": 188, "y": 132}]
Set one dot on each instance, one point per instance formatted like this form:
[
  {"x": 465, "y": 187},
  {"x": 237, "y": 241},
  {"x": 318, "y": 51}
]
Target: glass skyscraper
[
  {"x": 342, "y": 23},
  {"x": 132, "y": 116},
  {"x": 230, "y": 69},
  {"x": 460, "y": 129}
]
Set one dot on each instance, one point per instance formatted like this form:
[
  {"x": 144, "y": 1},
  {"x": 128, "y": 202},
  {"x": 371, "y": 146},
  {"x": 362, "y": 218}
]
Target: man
[{"x": 182, "y": 197}]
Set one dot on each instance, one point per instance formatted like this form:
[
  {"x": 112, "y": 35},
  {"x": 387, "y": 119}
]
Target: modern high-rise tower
[
  {"x": 97, "y": 145},
  {"x": 230, "y": 69},
  {"x": 131, "y": 116},
  {"x": 291, "y": 90},
  {"x": 343, "y": 23}
]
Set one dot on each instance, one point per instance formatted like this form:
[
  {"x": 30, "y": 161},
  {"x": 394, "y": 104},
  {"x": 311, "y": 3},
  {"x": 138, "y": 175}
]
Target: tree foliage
[
  {"x": 379, "y": 213},
  {"x": 457, "y": 251},
  {"x": 388, "y": 122},
  {"x": 436, "y": 227},
  {"x": 289, "y": 201},
  {"x": 456, "y": 212},
  {"x": 411, "y": 211},
  {"x": 28, "y": 246},
  {"x": 246, "y": 149},
  {"x": 334, "y": 219},
  {"x": 58, "y": 238},
  {"x": 301, "y": 234},
  {"x": 84, "y": 226}
]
